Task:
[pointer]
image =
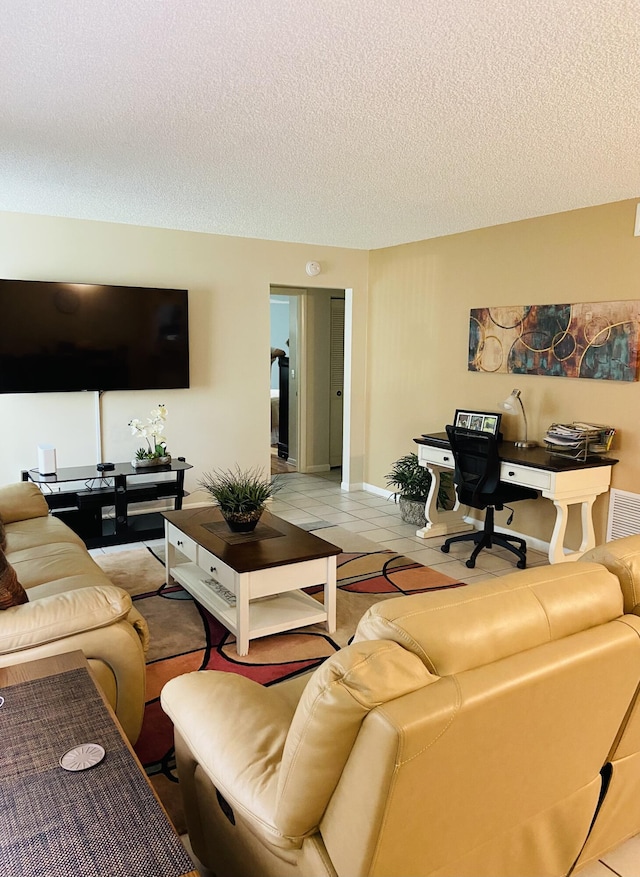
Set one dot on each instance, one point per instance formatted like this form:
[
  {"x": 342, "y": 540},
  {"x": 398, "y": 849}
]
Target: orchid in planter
[{"x": 156, "y": 450}]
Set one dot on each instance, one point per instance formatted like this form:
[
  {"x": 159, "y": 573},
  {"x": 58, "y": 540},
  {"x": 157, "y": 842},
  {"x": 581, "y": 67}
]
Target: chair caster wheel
[
  {"x": 445, "y": 548},
  {"x": 470, "y": 563},
  {"x": 522, "y": 564}
]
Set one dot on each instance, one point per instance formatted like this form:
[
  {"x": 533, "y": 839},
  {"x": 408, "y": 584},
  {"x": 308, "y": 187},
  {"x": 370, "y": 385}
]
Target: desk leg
[
  {"x": 330, "y": 594},
  {"x": 557, "y": 552},
  {"x": 441, "y": 523},
  {"x": 556, "y": 546},
  {"x": 588, "y": 532}
]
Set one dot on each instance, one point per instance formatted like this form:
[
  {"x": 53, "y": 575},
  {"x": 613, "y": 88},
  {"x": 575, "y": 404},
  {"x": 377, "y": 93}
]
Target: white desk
[{"x": 565, "y": 482}]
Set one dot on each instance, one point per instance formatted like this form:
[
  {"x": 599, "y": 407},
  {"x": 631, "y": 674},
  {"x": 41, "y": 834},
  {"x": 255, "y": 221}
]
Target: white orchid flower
[{"x": 152, "y": 430}]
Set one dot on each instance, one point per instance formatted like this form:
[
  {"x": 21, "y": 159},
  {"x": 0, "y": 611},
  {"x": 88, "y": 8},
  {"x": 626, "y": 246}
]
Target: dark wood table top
[
  {"x": 291, "y": 545},
  {"x": 539, "y": 457}
]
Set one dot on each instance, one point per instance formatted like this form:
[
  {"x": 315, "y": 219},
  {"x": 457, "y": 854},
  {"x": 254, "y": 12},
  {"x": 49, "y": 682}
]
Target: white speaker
[{"x": 46, "y": 460}]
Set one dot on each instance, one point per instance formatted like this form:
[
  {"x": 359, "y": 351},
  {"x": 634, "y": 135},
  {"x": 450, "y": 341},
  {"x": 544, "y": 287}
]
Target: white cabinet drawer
[
  {"x": 218, "y": 570},
  {"x": 183, "y": 543},
  {"x": 437, "y": 456},
  {"x": 538, "y": 479}
]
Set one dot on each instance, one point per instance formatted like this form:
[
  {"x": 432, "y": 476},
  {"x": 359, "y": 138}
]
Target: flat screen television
[{"x": 78, "y": 336}]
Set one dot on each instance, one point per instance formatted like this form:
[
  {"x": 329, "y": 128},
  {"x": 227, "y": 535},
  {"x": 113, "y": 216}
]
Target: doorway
[{"x": 307, "y": 379}]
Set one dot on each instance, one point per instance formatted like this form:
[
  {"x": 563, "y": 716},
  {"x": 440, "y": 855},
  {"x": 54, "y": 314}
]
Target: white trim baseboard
[{"x": 379, "y": 491}]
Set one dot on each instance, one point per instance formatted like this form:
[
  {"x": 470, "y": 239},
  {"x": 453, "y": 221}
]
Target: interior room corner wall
[
  {"x": 224, "y": 418},
  {"x": 420, "y": 295}
]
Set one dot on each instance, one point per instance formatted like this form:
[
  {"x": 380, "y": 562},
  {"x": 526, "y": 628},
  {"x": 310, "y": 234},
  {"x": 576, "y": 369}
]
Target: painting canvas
[{"x": 587, "y": 340}]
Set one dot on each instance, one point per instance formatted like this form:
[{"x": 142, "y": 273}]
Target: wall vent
[{"x": 624, "y": 514}]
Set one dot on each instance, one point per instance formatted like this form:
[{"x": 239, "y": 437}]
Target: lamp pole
[{"x": 526, "y": 443}]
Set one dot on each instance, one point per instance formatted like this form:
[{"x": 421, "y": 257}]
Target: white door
[
  {"x": 336, "y": 365},
  {"x": 294, "y": 381}
]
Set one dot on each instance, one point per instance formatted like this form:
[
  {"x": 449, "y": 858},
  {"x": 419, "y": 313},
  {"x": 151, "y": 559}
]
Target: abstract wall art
[{"x": 587, "y": 340}]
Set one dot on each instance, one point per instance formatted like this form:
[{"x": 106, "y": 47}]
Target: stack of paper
[{"x": 579, "y": 439}]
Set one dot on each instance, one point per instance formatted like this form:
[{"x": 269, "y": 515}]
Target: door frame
[{"x": 301, "y": 377}]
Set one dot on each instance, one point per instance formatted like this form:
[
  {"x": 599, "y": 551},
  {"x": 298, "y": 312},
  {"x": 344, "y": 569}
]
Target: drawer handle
[
  {"x": 446, "y": 459},
  {"x": 511, "y": 474},
  {"x": 213, "y": 569},
  {"x": 180, "y": 542}
]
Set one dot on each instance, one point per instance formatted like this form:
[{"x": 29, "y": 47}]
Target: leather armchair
[
  {"x": 618, "y": 817},
  {"x": 463, "y": 732},
  {"x": 72, "y": 605}
]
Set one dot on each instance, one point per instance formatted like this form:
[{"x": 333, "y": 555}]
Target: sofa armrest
[
  {"x": 236, "y": 730},
  {"x": 622, "y": 558},
  {"x": 63, "y": 615},
  {"x": 115, "y": 656},
  {"x": 21, "y": 501},
  {"x": 139, "y": 624}
]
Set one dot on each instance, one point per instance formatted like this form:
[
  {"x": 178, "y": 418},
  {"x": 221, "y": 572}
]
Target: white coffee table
[{"x": 251, "y": 584}]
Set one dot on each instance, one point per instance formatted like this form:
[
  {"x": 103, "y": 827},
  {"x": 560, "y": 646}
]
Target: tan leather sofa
[
  {"x": 72, "y": 605},
  {"x": 485, "y": 730}
]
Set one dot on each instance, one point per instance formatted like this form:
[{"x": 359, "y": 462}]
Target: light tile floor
[{"x": 307, "y": 498}]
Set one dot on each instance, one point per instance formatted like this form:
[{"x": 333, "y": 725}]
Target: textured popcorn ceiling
[{"x": 357, "y": 123}]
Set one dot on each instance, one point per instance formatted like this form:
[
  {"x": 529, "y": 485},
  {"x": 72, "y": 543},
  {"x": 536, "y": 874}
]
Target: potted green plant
[
  {"x": 412, "y": 483},
  {"x": 240, "y": 494}
]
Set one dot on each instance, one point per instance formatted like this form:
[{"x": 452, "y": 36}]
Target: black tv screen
[{"x": 78, "y": 336}]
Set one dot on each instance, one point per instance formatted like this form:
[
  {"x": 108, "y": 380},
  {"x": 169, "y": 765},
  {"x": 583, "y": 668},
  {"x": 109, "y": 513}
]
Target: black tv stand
[{"x": 81, "y": 505}]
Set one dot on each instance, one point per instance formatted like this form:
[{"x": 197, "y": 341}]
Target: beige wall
[
  {"x": 419, "y": 300},
  {"x": 224, "y": 417},
  {"x": 409, "y": 332}
]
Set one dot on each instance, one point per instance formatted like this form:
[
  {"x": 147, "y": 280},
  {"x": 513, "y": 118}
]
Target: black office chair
[{"x": 477, "y": 480}]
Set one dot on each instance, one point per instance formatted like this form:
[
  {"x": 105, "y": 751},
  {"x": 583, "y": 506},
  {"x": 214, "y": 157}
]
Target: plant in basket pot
[
  {"x": 412, "y": 482},
  {"x": 240, "y": 494},
  {"x": 155, "y": 453}
]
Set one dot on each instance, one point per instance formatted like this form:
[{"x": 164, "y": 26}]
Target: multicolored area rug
[{"x": 185, "y": 637}]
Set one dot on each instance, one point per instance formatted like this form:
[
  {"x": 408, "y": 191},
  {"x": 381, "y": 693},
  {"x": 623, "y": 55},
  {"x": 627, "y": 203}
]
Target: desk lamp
[{"x": 510, "y": 405}]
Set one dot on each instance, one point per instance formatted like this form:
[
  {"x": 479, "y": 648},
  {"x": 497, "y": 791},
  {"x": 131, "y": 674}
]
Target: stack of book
[{"x": 578, "y": 440}]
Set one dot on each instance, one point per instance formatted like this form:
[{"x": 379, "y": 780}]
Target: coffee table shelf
[
  {"x": 267, "y": 615},
  {"x": 264, "y": 576}
]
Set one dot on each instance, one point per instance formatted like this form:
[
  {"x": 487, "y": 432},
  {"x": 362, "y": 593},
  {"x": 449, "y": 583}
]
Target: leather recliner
[
  {"x": 463, "y": 732},
  {"x": 618, "y": 817}
]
